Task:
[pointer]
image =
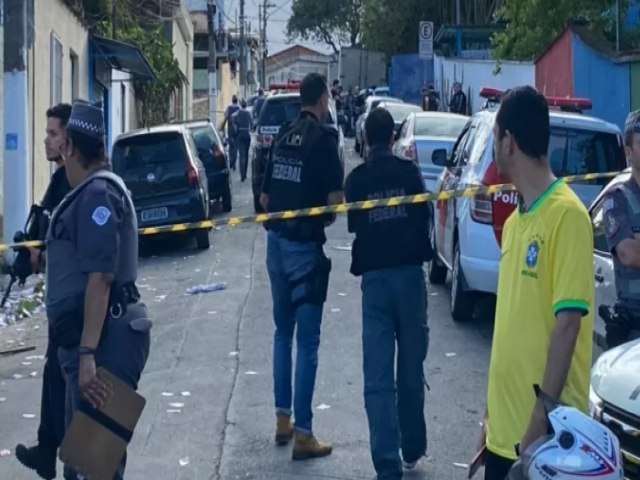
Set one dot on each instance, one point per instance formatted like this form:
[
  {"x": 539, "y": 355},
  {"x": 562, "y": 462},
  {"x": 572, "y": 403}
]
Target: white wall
[
  {"x": 53, "y": 20},
  {"x": 475, "y": 74},
  {"x": 119, "y": 121}
]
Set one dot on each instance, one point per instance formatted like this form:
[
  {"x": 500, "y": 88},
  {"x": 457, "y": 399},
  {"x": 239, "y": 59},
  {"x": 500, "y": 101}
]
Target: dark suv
[
  {"x": 211, "y": 151},
  {"x": 161, "y": 167},
  {"x": 276, "y": 111}
]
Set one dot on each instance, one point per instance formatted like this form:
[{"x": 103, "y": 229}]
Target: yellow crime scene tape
[{"x": 336, "y": 209}]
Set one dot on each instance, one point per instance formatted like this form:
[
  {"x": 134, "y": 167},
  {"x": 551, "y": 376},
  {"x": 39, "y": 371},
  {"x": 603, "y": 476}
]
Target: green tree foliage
[
  {"x": 138, "y": 27},
  {"x": 533, "y": 24},
  {"x": 332, "y": 22},
  {"x": 391, "y": 26}
]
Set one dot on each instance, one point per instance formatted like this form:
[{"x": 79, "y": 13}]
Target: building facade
[
  {"x": 294, "y": 63},
  {"x": 180, "y": 34},
  {"x": 578, "y": 64}
]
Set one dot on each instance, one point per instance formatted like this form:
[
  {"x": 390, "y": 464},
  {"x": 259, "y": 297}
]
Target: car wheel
[
  {"x": 462, "y": 301},
  {"x": 437, "y": 271},
  {"x": 202, "y": 239},
  {"x": 256, "y": 204},
  {"x": 226, "y": 199}
]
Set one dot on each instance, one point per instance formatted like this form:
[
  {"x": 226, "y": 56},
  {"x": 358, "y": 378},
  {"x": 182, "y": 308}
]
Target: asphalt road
[{"x": 212, "y": 352}]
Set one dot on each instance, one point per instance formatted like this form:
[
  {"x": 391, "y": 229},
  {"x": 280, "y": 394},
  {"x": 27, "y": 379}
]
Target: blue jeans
[
  {"x": 394, "y": 309},
  {"x": 287, "y": 262},
  {"x": 233, "y": 151}
]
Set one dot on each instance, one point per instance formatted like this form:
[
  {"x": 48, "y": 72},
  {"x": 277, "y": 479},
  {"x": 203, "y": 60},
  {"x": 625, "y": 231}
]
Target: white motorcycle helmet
[{"x": 578, "y": 447}]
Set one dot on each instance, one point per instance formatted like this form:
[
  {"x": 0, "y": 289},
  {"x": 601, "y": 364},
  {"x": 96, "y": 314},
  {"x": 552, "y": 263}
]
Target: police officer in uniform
[
  {"x": 303, "y": 171},
  {"x": 242, "y": 122},
  {"x": 42, "y": 457},
  {"x": 622, "y": 228},
  {"x": 92, "y": 301},
  {"x": 389, "y": 250}
]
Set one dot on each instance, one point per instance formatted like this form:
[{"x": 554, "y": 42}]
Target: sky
[{"x": 276, "y": 24}]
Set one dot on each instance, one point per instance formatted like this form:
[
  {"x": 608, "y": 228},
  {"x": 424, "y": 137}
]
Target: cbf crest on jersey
[{"x": 532, "y": 256}]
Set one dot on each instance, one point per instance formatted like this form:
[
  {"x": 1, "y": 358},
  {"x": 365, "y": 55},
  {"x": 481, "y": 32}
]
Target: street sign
[{"x": 425, "y": 40}]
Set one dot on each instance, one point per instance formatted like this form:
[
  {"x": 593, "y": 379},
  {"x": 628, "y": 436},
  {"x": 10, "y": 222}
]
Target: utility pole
[
  {"x": 213, "y": 74},
  {"x": 617, "y": 25},
  {"x": 113, "y": 19},
  {"x": 242, "y": 50},
  {"x": 16, "y": 123},
  {"x": 265, "y": 6},
  {"x": 260, "y": 80}
]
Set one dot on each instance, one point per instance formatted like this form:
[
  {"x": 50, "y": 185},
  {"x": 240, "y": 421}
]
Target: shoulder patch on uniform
[
  {"x": 101, "y": 215},
  {"x": 608, "y": 204},
  {"x": 611, "y": 225}
]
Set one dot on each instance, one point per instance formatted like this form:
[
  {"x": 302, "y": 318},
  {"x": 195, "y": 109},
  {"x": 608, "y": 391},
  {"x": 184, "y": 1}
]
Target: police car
[
  {"x": 278, "y": 109},
  {"x": 614, "y": 400},
  {"x": 467, "y": 232}
]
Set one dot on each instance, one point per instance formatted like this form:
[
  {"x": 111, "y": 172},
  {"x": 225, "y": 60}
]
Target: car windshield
[
  {"x": 439, "y": 126},
  {"x": 577, "y": 152},
  {"x": 400, "y": 111},
  {"x": 142, "y": 151},
  {"x": 278, "y": 112}
]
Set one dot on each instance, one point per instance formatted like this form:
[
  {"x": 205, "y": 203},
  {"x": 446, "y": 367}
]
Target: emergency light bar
[
  {"x": 291, "y": 86},
  {"x": 568, "y": 104}
]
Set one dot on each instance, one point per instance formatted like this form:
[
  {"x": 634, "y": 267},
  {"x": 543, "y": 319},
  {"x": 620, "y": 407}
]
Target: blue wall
[
  {"x": 408, "y": 75},
  {"x": 607, "y": 84}
]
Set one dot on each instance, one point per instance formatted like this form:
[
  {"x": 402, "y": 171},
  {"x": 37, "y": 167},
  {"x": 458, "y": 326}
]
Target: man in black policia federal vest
[
  {"x": 42, "y": 457},
  {"x": 303, "y": 171},
  {"x": 389, "y": 249},
  {"x": 622, "y": 228},
  {"x": 95, "y": 313}
]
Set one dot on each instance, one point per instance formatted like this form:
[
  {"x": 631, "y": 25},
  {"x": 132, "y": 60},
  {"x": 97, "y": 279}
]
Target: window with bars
[{"x": 57, "y": 55}]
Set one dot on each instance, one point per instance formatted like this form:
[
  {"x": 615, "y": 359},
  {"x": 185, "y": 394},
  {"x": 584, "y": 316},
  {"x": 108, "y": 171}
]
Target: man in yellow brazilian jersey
[{"x": 544, "y": 314}]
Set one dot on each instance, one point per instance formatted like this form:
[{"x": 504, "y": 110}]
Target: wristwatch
[{"x": 86, "y": 351}]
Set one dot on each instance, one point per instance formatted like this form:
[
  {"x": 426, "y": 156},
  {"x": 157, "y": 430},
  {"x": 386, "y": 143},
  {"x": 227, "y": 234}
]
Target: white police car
[{"x": 614, "y": 400}]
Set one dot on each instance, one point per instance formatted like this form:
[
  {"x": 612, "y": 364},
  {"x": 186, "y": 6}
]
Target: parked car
[
  {"x": 381, "y": 91},
  {"x": 167, "y": 180},
  {"x": 399, "y": 112},
  {"x": 276, "y": 110},
  {"x": 210, "y": 148},
  {"x": 423, "y": 132},
  {"x": 467, "y": 232},
  {"x": 614, "y": 400},
  {"x": 370, "y": 103}
]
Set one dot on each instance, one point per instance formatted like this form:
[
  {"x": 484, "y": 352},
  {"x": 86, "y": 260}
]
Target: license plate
[{"x": 154, "y": 214}]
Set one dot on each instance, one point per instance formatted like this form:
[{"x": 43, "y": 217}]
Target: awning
[{"x": 123, "y": 56}]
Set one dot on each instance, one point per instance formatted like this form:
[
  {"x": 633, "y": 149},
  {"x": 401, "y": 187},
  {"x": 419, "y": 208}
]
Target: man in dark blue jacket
[{"x": 390, "y": 247}]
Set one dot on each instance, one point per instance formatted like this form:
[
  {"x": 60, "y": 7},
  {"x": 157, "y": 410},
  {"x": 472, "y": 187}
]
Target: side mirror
[
  {"x": 439, "y": 157},
  {"x": 342, "y": 119}
]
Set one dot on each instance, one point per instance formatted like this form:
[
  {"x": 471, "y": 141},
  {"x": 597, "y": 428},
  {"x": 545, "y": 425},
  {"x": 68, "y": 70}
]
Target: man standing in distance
[
  {"x": 390, "y": 247},
  {"x": 303, "y": 171},
  {"x": 42, "y": 457},
  {"x": 231, "y": 132},
  {"x": 544, "y": 313}
]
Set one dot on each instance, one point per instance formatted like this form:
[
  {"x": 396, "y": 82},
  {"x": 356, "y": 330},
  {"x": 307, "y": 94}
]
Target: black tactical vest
[{"x": 291, "y": 184}]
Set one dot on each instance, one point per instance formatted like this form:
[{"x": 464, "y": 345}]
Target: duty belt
[{"x": 120, "y": 297}]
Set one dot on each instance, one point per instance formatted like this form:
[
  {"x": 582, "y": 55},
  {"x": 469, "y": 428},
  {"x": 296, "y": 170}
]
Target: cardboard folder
[{"x": 96, "y": 440}]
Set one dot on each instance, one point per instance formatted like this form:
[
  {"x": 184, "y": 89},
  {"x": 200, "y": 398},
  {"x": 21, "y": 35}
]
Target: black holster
[
  {"x": 316, "y": 282},
  {"x": 618, "y": 326}
]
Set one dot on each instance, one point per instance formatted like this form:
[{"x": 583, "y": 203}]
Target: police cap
[
  {"x": 632, "y": 124},
  {"x": 87, "y": 119}
]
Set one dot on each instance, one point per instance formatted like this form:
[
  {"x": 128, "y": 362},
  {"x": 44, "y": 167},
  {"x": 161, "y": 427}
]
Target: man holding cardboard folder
[{"x": 93, "y": 304}]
